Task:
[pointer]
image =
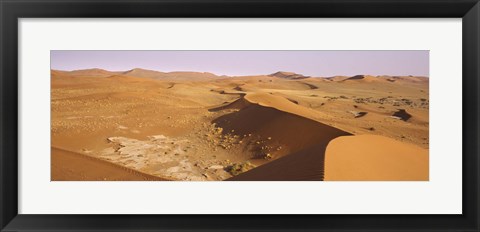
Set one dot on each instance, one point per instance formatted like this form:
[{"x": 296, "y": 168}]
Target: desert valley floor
[{"x": 148, "y": 125}]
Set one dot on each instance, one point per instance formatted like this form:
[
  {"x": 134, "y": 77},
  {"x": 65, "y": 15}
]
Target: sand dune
[
  {"x": 71, "y": 166},
  {"x": 311, "y": 86},
  {"x": 137, "y": 72},
  {"x": 283, "y": 104},
  {"x": 366, "y": 78},
  {"x": 145, "y": 73},
  {"x": 371, "y": 157},
  {"x": 94, "y": 72},
  {"x": 303, "y": 139},
  {"x": 288, "y": 75},
  {"x": 237, "y": 104},
  {"x": 408, "y": 79},
  {"x": 383, "y": 78},
  {"x": 337, "y": 78},
  {"x": 187, "y": 75}
]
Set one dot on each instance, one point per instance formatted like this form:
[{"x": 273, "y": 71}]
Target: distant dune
[
  {"x": 94, "y": 72},
  {"x": 169, "y": 75},
  {"x": 365, "y": 78},
  {"x": 137, "y": 72},
  {"x": 370, "y": 78},
  {"x": 413, "y": 79},
  {"x": 288, "y": 75},
  {"x": 187, "y": 75},
  {"x": 145, "y": 73},
  {"x": 337, "y": 78}
]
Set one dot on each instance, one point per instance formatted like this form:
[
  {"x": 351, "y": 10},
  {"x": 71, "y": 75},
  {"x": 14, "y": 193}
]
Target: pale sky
[{"x": 238, "y": 63}]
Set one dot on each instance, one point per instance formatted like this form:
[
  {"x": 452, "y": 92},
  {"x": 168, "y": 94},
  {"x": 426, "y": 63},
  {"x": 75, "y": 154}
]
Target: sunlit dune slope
[
  {"x": 372, "y": 157},
  {"x": 71, "y": 166}
]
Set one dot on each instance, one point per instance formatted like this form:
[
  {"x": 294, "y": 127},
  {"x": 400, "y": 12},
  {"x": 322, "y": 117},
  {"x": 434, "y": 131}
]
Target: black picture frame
[{"x": 12, "y": 10}]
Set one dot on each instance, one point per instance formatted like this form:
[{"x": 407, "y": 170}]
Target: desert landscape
[{"x": 142, "y": 124}]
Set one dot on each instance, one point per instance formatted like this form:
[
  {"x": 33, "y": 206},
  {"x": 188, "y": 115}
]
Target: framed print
[{"x": 278, "y": 115}]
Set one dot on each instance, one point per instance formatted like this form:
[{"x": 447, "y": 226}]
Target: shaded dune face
[{"x": 304, "y": 139}]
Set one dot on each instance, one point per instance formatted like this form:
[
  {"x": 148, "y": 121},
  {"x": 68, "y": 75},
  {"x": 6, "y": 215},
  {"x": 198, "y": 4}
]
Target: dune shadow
[
  {"x": 357, "y": 114},
  {"x": 293, "y": 101},
  {"x": 356, "y": 77},
  {"x": 310, "y": 85},
  {"x": 402, "y": 115},
  {"x": 238, "y": 88}
]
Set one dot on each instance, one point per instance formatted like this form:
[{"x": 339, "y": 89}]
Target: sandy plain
[{"x": 149, "y": 125}]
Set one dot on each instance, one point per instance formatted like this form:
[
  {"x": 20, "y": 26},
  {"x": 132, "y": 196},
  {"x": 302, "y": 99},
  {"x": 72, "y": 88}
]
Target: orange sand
[
  {"x": 372, "y": 157},
  {"x": 148, "y": 125}
]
